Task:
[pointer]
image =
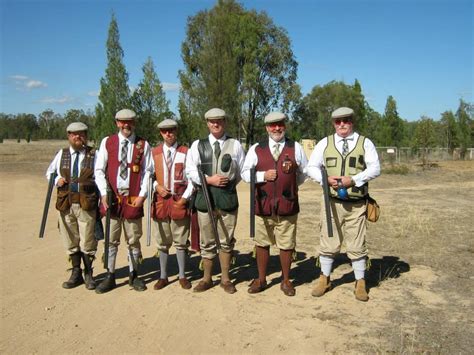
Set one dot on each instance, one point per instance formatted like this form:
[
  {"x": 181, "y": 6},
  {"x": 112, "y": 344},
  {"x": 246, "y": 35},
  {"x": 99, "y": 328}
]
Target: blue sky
[{"x": 418, "y": 51}]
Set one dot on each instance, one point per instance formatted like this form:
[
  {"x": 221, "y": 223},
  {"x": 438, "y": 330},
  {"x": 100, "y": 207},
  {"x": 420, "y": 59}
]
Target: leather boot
[
  {"x": 76, "y": 275},
  {"x": 206, "y": 282},
  {"x": 107, "y": 284},
  {"x": 135, "y": 282},
  {"x": 88, "y": 278},
  {"x": 322, "y": 286},
  {"x": 226, "y": 284},
  {"x": 360, "y": 291}
]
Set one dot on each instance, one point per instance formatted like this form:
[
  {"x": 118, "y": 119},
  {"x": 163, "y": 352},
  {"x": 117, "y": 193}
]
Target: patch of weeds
[{"x": 397, "y": 169}]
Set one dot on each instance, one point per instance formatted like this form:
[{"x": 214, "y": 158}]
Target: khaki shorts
[{"x": 279, "y": 230}]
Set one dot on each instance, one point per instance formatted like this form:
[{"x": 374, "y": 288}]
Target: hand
[
  {"x": 180, "y": 204},
  {"x": 270, "y": 175},
  {"x": 138, "y": 202},
  {"x": 346, "y": 181},
  {"x": 103, "y": 200},
  {"x": 217, "y": 180},
  {"x": 61, "y": 182},
  {"x": 163, "y": 191}
]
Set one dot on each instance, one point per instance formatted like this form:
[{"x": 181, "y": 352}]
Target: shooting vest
[
  {"x": 121, "y": 205},
  {"x": 87, "y": 195},
  {"x": 351, "y": 165},
  {"x": 223, "y": 198},
  {"x": 173, "y": 179},
  {"x": 279, "y": 197}
]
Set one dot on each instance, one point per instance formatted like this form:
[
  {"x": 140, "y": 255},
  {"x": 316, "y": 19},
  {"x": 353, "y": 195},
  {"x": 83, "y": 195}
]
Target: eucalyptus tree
[
  {"x": 393, "y": 124},
  {"x": 114, "y": 91}
]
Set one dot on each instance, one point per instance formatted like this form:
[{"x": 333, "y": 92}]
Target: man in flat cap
[
  {"x": 220, "y": 158},
  {"x": 123, "y": 165},
  {"x": 77, "y": 203},
  {"x": 279, "y": 164},
  {"x": 172, "y": 191},
  {"x": 351, "y": 161}
]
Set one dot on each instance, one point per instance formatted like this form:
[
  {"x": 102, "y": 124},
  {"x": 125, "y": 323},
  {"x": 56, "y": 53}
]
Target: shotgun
[
  {"x": 149, "y": 203},
  {"x": 327, "y": 205},
  {"x": 107, "y": 228},
  {"x": 210, "y": 209},
  {"x": 52, "y": 177},
  {"x": 252, "y": 203}
]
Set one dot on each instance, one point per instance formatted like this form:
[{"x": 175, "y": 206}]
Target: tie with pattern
[
  {"x": 123, "y": 160},
  {"x": 75, "y": 173},
  {"x": 169, "y": 162},
  {"x": 345, "y": 147},
  {"x": 276, "y": 152},
  {"x": 217, "y": 149}
]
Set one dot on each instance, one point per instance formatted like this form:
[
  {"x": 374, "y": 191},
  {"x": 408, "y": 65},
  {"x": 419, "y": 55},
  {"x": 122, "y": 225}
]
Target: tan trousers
[
  {"x": 76, "y": 227},
  {"x": 349, "y": 226},
  {"x": 279, "y": 230},
  {"x": 226, "y": 222},
  {"x": 132, "y": 231},
  {"x": 169, "y": 231}
]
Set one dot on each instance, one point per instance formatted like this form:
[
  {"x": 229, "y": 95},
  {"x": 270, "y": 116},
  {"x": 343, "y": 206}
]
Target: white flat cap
[
  {"x": 342, "y": 112},
  {"x": 125, "y": 115},
  {"x": 274, "y": 117},
  {"x": 76, "y": 127},
  {"x": 215, "y": 113},
  {"x": 168, "y": 123}
]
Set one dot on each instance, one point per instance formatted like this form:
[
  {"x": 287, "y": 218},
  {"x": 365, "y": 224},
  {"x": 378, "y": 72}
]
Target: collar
[
  {"x": 213, "y": 139},
  {"x": 272, "y": 143},
  {"x": 130, "y": 139},
  {"x": 172, "y": 148},
  {"x": 340, "y": 139},
  {"x": 81, "y": 151}
]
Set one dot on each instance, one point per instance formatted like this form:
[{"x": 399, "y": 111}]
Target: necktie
[
  {"x": 169, "y": 162},
  {"x": 75, "y": 173},
  {"x": 123, "y": 160},
  {"x": 345, "y": 147},
  {"x": 276, "y": 152},
  {"x": 217, "y": 149}
]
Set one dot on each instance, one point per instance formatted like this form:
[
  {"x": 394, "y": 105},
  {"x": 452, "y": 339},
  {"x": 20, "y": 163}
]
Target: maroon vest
[
  {"x": 122, "y": 205},
  {"x": 279, "y": 197},
  {"x": 163, "y": 207}
]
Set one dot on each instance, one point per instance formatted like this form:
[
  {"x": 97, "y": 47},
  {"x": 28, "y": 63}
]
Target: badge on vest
[
  {"x": 136, "y": 168},
  {"x": 287, "y": 165}
]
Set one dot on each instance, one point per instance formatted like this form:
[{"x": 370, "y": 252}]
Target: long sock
[
  {"x": 359, "y": 268},
  {"x": 263, "y": 254},
  {"x": 181, "y": 257},
  {"x": 112, "y": 258},
  {"x": 163, "y": 264},
  {"x": 285, "y": 261},
  {"x": 326, "y": 264},
  {"x": 136, "y": 253},
  {"x": 224, "y": 259}
]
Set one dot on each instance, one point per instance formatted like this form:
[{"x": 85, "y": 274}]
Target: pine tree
[{"x": 114, "y": 91}]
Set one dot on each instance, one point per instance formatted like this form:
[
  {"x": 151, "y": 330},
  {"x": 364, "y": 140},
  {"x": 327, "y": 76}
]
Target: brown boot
[
  {"x": 76, "y": 274},
  {"x": 206, "y": 282},
  {"x": 360, "y": 291},
  {"x": 322, "y": 286}
]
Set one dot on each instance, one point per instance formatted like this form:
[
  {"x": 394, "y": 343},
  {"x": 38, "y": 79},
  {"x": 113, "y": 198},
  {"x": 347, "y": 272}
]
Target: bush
[{"x": 397, "y": 169}]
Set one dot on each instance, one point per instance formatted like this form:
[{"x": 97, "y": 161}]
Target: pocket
[
  {"x": 178, "y": 171},
  {"x": 62, "y": 201},
  {"x": 88, "y": 202},
  {"x": 373, "y": 210}
]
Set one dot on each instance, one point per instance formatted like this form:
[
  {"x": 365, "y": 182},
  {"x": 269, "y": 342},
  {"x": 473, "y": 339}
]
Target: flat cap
[
  {"x": 214, "y": 113},
  {"x": 342, "y": 112},
  {"x": 76, "y": 127},
  {"x": 168, "y": 123},
  {"x": 274, "y": 117},
  {"x": 125, "y": 115}
]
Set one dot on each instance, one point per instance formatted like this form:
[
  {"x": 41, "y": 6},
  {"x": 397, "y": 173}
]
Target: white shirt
[
  {"x": 371, "y": 159},
  {"x": 251, "y": 161},
  {"x": 189, "y": 189},
  {"x": 55, "y": 165},
  {"x": 193, "y": 159},
  {"x": 102, "y": 157}
]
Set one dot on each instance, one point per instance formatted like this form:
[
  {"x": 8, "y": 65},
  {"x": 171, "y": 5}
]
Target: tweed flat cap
[
  {"x": 215, "y": 113},
  {"x": 342, "y": 112},
  {"x": 168, "y": 123},
  {"x": 76, "y": 127},
  {"x": 125, "y": 115},
  {"x": 274, "y": 117}
]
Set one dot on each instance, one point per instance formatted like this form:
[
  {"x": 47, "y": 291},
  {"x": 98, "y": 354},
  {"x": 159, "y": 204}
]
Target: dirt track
[{"x": 420, "y": 297}]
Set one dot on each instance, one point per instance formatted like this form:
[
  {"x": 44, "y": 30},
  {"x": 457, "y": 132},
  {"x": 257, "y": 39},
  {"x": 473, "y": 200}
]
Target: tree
[
  {"x": 149, "y": 102},
  {"x": 393, "y": 124},
  {"x": 424, "y": 137},
  {"x": 449, "y": 128},
  {"x": 240, "y": 61},
  {"x": 114, "y": 91},
  {"x": 313, "y": 115},
  {"x": 464, "y": 125}
]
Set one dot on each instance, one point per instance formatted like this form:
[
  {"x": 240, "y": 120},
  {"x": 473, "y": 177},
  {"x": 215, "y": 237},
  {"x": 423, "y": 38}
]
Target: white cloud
[
  {"x": 56, "y": 100},
  {"x": 23, "y": 82},
  {"x": 93, "y": 93},
  {"x": 170, "y": 86}
]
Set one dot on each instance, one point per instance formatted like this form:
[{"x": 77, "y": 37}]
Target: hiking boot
[
  {"x": 360, "y": 291},
  {"x": 88, "y": 278},
  {"x": 107, "y": 284},
  {"x": 322, "y": 286},
  {"x": 135, "y": 282},
  {"x": 76, "y": 274}
]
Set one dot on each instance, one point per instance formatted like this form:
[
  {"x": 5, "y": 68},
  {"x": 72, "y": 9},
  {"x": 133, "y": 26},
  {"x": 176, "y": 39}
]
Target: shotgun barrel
[
  {"x": 210, "y": 208},
  {"x": 252, "y": 202},
  {"x": 327, "y": 204},
  {"x": 52, "y": 177}
]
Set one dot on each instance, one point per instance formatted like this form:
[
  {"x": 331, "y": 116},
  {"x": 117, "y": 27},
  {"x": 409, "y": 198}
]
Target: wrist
[{"x": 352, "y": 182}]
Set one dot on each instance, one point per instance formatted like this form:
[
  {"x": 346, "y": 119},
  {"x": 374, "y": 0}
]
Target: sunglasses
[
  {"x": 338, "y": 121},
  {"x": 276, "y": 124},
  {"x": 167, "y": 130}
]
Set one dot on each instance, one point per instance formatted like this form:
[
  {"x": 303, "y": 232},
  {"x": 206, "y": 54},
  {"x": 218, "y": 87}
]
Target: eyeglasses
[
  {"x": 338, "y": 121},
  {"x": 276, "y": 124},
  {"x": 167, "y": 130}
]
